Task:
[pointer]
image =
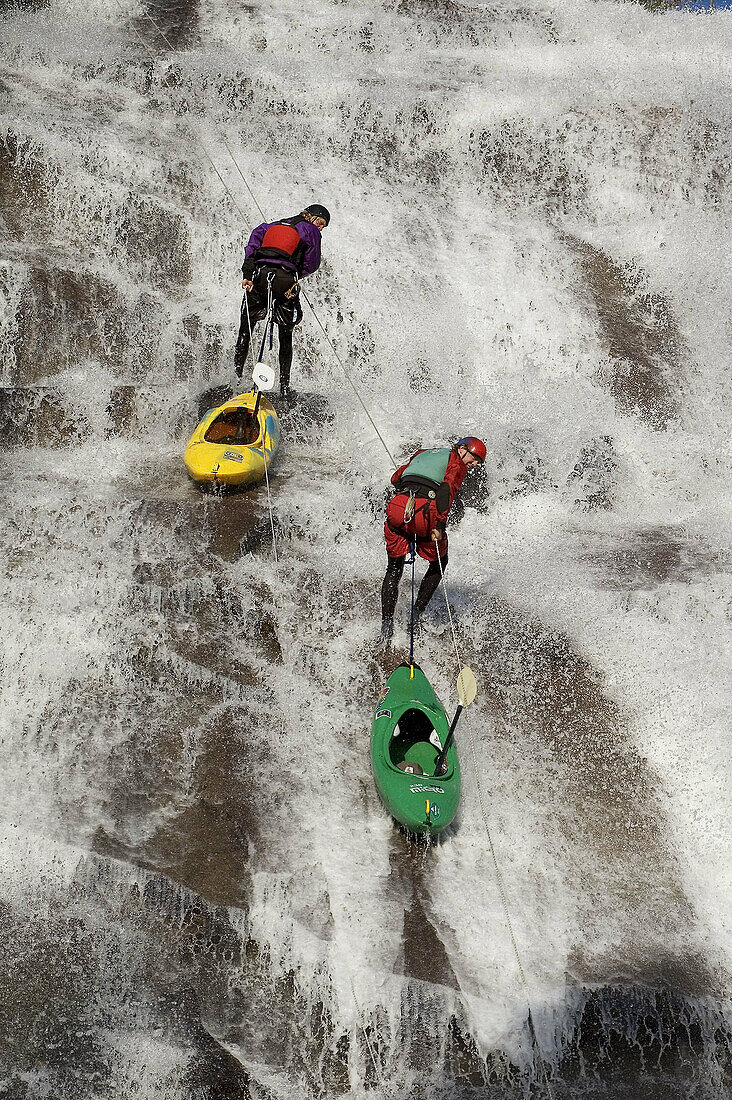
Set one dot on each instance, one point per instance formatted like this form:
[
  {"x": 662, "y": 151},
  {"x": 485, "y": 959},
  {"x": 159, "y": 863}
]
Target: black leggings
[
  {"x": 286, "y": 312},
  {"x": 390, "y": 586},
  {"x": 285, "y": 335}
]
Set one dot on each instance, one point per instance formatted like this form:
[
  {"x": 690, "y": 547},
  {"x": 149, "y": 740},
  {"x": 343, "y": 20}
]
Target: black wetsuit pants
[
  {"x": 285, "y": 347},
  {"x": 286, "y": 313},
  {"x": 390, "y": 587}
]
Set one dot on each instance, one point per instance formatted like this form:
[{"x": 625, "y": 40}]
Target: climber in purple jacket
[{"x": 276, "y": 256}]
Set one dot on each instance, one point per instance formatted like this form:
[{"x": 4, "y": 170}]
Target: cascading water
[{"x": 200, "y": 894}]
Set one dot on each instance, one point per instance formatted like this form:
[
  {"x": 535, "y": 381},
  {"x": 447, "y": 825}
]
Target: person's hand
[
  {"x": 247, "y": 284},
  {"x": 436, "y": 534}
]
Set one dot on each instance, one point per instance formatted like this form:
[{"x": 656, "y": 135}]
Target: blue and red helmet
[{"x": 474, "y": 445}]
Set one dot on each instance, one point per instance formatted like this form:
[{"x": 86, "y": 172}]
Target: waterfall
[{"x": 200, "y": 894}]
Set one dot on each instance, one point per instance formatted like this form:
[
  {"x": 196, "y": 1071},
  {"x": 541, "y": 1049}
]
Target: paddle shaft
[
  {"x": 259, "y": 398},
  {"x": 440, "y": 761}
]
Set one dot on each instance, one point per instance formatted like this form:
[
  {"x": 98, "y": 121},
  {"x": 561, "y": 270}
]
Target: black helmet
[{"x": 318, "y": 211}]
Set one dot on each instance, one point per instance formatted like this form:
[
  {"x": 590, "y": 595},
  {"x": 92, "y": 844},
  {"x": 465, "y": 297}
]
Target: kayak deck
[
  {"x": 409, "y": 729},
  {"x": 233, "y": 445}
]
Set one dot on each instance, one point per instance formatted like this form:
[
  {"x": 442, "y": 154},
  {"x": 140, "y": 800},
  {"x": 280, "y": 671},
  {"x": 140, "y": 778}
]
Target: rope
[
  {"x": 196, "y": 137},
  {"x": 499, "y": 876},
  {"x": 264, "y": 439},
  {"x": 269, "y": 498},
  {"x": 246, "y": 223},
  {"x": 267, "y": 320},
  {"x": 249, "y": 319},
  {"x": 244, "y": 180},
  {"x": 413, "y": 552},
  {"x": 377, "y": 1068},
  {"x": 349, "y": 380}
]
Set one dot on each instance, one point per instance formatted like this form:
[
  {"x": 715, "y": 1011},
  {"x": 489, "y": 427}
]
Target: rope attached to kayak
[
  {"x": 499, "y": 876},
  {"x": 269, "y": 496},
  {"x": 377, "y": 1067},
  {"x": 264, "y": 432},
  {"x": 413, "y": 552}
]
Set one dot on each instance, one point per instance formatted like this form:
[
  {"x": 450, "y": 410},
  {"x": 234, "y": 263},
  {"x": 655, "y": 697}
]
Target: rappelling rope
[
  {"x": 268, "y": 321},
  {"x": 350, "y": 380},
  {"x": 264, "y": 439},
  {"x": 499, "y": 876},
  {"x": 377, "y": 1067},
  {"x": 197, "y": 138},
  {"x": 244, "y": 179},
  {"x": 245, "y": 219},
  {"x": 227, "y": 189}
]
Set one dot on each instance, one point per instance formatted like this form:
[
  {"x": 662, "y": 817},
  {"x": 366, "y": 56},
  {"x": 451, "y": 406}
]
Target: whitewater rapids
[{"x": 200, "y": 895}]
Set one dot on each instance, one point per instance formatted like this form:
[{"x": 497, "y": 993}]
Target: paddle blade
[
  {"x": 263, "y": 377},
  {"x": 467, "y": 687}
]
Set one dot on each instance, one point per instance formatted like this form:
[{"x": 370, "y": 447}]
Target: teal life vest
[
  {"x": 428, "y": 466},
  {"x": 425, "y": 476}
]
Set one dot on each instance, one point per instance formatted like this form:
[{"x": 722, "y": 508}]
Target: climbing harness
[{"x": 268, "y": 320}]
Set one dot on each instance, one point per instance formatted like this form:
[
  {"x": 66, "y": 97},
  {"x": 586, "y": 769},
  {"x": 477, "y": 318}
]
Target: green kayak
[{"x": 409, "y": 729}]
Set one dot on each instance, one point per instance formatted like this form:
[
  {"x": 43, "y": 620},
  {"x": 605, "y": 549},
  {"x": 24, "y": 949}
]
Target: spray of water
[{"x": 201, "y": 896}]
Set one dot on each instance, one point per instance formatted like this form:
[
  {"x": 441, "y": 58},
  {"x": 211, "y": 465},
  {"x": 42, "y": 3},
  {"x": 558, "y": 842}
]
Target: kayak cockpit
[
  {"x": 238, "y": 426},
  {"x": 415, "y": 744}
]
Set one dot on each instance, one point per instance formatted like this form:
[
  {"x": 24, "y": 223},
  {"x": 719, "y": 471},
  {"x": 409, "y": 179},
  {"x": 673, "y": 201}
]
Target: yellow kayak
[{"x": 231, "y": 446}]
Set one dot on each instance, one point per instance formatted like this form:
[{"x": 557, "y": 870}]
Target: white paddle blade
[
  {"x": 467, "y": 687},
  {"x": 263, "y": 377}
]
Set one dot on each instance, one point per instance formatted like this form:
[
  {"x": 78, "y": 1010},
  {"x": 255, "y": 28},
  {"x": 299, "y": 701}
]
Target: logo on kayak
[
  {"x": 384, "y": 694},
  {"x": 420, "y": 788},
  {"x": 233, "y": 456},
  {"x": 383, "y": 714}
]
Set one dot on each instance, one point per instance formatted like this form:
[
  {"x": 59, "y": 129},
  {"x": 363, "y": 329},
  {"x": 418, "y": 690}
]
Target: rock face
[{"x": 200, "y": 895}]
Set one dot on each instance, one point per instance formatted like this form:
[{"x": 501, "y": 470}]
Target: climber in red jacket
[{"x": 426, "y": 487}]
